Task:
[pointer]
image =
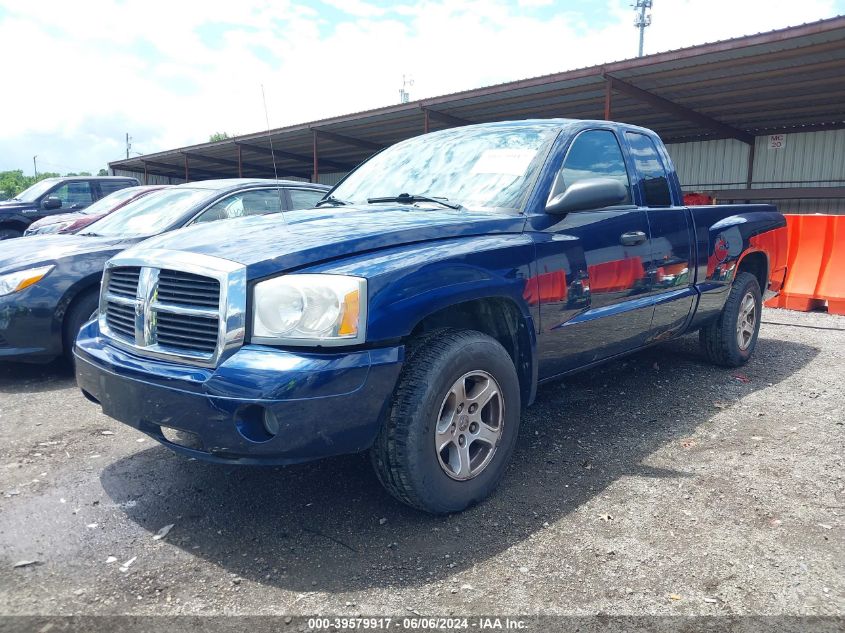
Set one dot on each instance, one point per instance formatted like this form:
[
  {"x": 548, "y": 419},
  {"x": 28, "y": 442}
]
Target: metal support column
[
  {"x": 240, "y": 162},
  {"x": 608, "y": 99},
  {"x": 426, "y": 122},
  {"x": 186, "y": 168},
  {"x": 315, "y": 174},
  {"x": 750, "y": 171}
]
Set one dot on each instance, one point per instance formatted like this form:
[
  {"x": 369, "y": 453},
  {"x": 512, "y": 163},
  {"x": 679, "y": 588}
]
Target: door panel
[
  {"x": 601, "y": 308},
  {"x": 671, "y": 271},
  {"x": 593, "y": 264}
]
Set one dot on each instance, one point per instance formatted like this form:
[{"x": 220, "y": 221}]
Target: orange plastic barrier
[
  {"x": 831, "y": 285},
  {"x": 815, "y": 264}
]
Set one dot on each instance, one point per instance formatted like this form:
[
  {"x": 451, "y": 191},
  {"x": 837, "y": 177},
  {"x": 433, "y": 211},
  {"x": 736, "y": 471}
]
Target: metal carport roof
[{"x": 791, "y": 79}]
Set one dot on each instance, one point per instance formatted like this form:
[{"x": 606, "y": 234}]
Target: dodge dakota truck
[{"x": 415, "y": 311}]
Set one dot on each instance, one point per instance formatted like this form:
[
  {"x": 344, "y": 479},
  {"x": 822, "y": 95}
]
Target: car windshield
[
  {"x": 488, "y": 168},
  {"x": 150, "y": 215},
  {"x": 31, "y": 194},
  {"x": 104, "y": 205}
]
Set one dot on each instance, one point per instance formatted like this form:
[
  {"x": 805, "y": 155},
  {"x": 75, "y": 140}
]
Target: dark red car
[{"x": 74, "y": 222}]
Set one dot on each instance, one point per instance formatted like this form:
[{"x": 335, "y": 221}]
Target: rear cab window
[{"x": 653, "y": 176}]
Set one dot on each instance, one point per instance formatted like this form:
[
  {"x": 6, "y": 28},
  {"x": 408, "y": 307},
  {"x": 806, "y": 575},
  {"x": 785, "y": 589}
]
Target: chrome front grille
[
  {"x": 123, "y": 282},
  {"x": 172, "y": 304},
  {"x": 180, "y": 331},
  {"x": 188, "y": 289},
  {"x": 121, "y": 320}
]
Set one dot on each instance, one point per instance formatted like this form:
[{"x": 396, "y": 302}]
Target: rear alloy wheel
[{"x": 452, "y": 423}]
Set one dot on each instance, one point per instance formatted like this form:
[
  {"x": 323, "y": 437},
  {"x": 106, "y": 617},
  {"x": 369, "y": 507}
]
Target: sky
[{"x": 80, "y": 75}]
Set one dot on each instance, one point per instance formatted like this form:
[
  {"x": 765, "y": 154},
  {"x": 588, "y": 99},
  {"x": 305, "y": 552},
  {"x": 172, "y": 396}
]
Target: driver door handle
[{"x": 632, "y": 238}]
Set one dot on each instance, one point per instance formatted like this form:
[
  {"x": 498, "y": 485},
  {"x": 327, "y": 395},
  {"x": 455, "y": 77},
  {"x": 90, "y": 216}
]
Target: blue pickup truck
[{"x": 414, "y": 313}]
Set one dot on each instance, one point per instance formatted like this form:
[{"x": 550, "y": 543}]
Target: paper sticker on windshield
[{"x": 512, "y": 162}]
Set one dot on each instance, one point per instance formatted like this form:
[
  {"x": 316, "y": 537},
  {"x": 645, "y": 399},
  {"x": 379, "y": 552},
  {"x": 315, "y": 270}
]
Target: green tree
[
  {"x": 103, "y": 172},
  {"x": 13, "y": 182},
  {"x": 218, "y": 136}
]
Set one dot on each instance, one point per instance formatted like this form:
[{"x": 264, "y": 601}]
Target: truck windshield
[
  {"x": 150, "y": 215},
  {"x": 481, "y": 168},
  {"x": 31, "y": 194}
]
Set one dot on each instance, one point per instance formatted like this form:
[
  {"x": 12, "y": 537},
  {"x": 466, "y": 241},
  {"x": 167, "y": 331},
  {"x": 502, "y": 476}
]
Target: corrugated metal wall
[
  {"x": 809, "y": 159},
  {"x": 325, "y": 179}
]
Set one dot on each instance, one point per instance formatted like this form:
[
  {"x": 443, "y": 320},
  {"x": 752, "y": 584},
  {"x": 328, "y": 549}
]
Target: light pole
[{"x": 35, "y": 165}]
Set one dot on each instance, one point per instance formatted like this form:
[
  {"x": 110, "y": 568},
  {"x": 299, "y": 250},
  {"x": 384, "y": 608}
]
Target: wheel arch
[{"x": 500, "y": 318}]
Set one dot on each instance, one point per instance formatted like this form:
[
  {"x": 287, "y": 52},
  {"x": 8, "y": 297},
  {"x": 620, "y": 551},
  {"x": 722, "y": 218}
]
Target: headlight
[
  {"x": 14, "y": 282},
  {"x": 55, "y": 227},
  {"x": 310, "y": 310}
]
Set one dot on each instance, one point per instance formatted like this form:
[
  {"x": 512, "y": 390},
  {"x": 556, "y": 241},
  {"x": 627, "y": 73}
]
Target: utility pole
[
  {"x": 128, "y": 144},
  {"x": 642, "y": 20},
  {"x": 35, "y": 165}
]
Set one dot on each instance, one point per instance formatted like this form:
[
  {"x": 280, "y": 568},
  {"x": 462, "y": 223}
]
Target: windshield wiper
[
  {"x": 411, "y": 198},
  {"x": 337, "y": 202}
]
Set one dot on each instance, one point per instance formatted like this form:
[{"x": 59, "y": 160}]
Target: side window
[
  {"x": 244, "y": 203},
  {"x": 110, "y": 186},
  {"x": 593, "y": 154},
  {"x": 74, "y": 194},
  {"x": 654, "y": 179},
  {"x": 304, "y": 198}
]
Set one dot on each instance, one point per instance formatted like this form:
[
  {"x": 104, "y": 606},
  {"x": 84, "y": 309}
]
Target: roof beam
[
  {"x": 302, "y": 158},
  {"x": 346, "y": 140},
  {"x": 233, "y": 163},
  {"x": 444, "y": 117},
  {"x": 179, "y": 170},
  {"x": 678, "y": 110},
  {"x": 223, "y": 161}
]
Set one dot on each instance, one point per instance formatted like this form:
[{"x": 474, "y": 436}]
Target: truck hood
[
  {"x": 27, "y": 252},
  {"x": 272, "y": 244}
]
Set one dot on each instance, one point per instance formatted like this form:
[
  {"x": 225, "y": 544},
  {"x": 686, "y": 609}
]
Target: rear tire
[
  {"x": 8, "y": 234},
  {"x": 81, "y": 311},
  {"x": 730, "y": 340},
  {"x": 445, "y": 445}
]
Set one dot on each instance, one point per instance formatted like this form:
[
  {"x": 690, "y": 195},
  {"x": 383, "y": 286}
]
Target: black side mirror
[
  {"x": 51, "y": 202},
  {"x": 592, "y": 193}
]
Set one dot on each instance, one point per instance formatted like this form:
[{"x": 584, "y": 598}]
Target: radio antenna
[{"x": 273, "y": 155}]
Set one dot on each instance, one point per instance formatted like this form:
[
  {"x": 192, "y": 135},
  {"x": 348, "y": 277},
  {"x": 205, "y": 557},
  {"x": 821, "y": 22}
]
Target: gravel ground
[{"x": 654, "y": 485}]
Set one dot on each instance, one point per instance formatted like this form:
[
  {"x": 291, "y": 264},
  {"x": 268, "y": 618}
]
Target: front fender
[{"x": 408, "y": 283}]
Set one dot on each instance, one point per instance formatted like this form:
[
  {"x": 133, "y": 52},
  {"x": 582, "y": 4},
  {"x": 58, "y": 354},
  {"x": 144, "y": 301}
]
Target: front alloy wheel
[
  {"x": 452, "y": 423},
  {"x": 469, "y": 426}
]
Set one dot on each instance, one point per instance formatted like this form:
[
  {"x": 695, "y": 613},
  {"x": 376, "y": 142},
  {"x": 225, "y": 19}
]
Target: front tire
[
  {"x": 452, "y": 424},
  {"x": 730, "y": 340}
]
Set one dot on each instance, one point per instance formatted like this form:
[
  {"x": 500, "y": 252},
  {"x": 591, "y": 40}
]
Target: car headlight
[
  {"x": 310, "y": 309},
  {"x": 17, "y": 281},
  {"x": 55, "y": 227}
]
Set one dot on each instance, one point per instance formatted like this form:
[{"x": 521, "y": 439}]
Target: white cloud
[{"x": 171, "y": 73}]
